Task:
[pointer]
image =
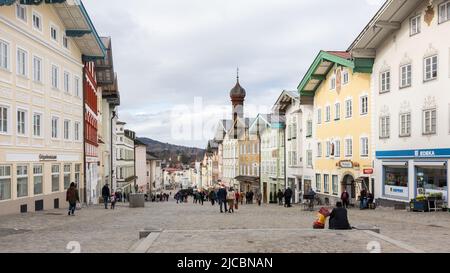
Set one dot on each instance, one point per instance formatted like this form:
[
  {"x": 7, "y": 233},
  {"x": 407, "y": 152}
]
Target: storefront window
[
  {"x": 37, "y": 178},
  {"x": 334, "y": 184},
  {"x": 318, "y": 182},
  {"x": 5, "y": 182},
  {"x": 67, "y": 168},
  {"x": 396, "y": 181},
  {"x": 22, "y": 181},
  {"x": 432, "y": 179},
  {"x": 55, "y": 178}
]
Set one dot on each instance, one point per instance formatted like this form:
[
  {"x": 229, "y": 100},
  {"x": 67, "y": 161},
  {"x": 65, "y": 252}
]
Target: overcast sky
[{"x": 176, "y": 59}]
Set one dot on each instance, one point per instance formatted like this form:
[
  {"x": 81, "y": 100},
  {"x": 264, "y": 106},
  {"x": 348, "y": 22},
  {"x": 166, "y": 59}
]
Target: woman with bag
[{"x": 72, "y": 197}]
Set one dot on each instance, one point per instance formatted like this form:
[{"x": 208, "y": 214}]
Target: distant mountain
[{"x": 173, "y": 154}]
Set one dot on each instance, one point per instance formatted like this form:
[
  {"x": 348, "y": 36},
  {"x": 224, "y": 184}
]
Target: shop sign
[
  {"x": 347, "y": 164},
  {"x": 396, "y": 191},
  {"x": 430, "y": 153},
  {"x": 368, "y": 171},
  {"x": 43, "y": 157}
]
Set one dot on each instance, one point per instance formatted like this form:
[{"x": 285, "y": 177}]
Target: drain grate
[{"x": 12, "y": 231}]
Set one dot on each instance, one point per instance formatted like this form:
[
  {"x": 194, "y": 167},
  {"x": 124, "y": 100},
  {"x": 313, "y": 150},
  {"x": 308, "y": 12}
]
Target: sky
[{"x": 177, "y": 60}]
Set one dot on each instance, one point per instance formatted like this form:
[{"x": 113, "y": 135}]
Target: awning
[
  {"x": 248, "y": 179},
  {"x": 395, "y": 163},
  {"x": 430, "y": 163}
]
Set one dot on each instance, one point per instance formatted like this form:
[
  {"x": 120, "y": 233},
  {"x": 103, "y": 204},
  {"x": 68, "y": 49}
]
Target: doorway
[
  {"x": 348, "y": 183},
  {"x": 265, "y": 192}
]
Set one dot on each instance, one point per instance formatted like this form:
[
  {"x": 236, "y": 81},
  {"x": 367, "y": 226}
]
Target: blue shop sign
[{"x": 430, "y": 153}]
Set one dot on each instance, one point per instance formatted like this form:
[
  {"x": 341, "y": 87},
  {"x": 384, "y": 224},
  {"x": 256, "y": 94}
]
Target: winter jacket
[
  {"x": 72, "y": 195},
  {"x": 339, "y": 219},
  {"x": 105, "y": 191}
]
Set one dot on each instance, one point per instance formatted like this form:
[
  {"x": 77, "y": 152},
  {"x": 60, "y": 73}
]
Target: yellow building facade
[{"x": 340, "y": 88}]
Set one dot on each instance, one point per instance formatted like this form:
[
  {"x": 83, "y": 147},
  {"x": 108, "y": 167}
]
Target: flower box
[{"x": 419, "y": 206}]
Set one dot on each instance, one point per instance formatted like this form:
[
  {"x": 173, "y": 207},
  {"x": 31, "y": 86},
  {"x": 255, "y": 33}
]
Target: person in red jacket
[{"x": 345, "y": 197}]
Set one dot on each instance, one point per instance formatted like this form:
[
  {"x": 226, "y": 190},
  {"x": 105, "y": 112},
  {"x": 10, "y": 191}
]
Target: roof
[
  {"x": 319, "y": 69},
  {"x": 284, "y": 100},
  {"x": 222, "y": 128},
  {"x": 139, "y": 143},
  {"x": 150, "y": 156},
  {"x": 263, "y": 121},
  {"x": 387, "y": 20},
  {"x": 238, "y": 92}
]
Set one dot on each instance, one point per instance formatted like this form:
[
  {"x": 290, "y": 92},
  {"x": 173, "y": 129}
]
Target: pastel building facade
[{"x": 42, "y": 53}]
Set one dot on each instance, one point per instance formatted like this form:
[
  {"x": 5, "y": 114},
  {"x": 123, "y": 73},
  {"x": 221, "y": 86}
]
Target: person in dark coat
[
  {"x": 212, "y": 197},
  {"x": 280, "y": 197},
  {"x": 338, "y": 218},
  {"x": 222, "y": 196},
  {"x": 106, "y": 194},
  {"x": 72, "y": 197},
  {"x": 288, "y": 197}
]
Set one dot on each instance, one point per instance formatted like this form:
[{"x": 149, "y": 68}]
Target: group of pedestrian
[
  {"x": 113, "y": 197},
  {"x": 285, "y": 196},
  {"x": 366, "y": 199},
  {"x": 181, "y": 197},
  {"x": 199, "y": 197}
]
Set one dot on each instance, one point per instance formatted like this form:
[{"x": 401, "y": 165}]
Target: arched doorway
[{"x": 348, "y": 183}]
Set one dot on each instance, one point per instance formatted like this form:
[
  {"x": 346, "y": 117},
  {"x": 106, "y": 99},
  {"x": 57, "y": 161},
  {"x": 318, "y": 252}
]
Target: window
[
  {"x": 333, "y": 83},
  {"x": 348, "y": 147},
  {"x": 415, "y": 25},
  {"x": 405, "y": 76},
  {"x": 327, "y": 114},
  {"x": 77, "y": 131},
  {"x": 77, "y": 86},
  {"x": 444, "y": 12},
  {"x": 37, "y": 69},
  {"x": 55, "y": 122},
  {"x": 328, "y": 149},
  {"x": 4, "y": 55},
  {"x": 385, "y": 125},
  {"x": 337, "y": 148},
  {"x": 430, "y": 68},
  {"x": 318, "y": 183},
  {"x": 385, "y": 82},
  {"x": 348, "y": 108},
  {"x": 319, "y": 116},
  {"x": 55, "y": 178},
  {"x": 22, "y": 180},
  {"x": 67, "y": 173},
  {"x": 345, "y": 77},
  {"x": 37, "y": 120},
  {"x": 55, "y": 75},
  {"x": 54, "y": 33},
  {"x": 337, "y": 110},
  {"x": 22, "y": 62},
  {"x": 326, "y": 183},
  {"x": 5, "y": 182},
  {"x": 37, "y": 179},
  {"x": 309, "y": 158},
  {"x": 334, "y": 184},
  {"x": 66, "y": 129},
  {"x": 4, "y": 119},
  {"x": 405, "y": 124},
  {"x": 429, "y": 121},
  {"x": 65, "y": 42},
  {"x": 37, "y": 21},
  {"x": 364, "y": 147},
  {"x": 364, "y": 105},
  {"x": 66, "y": 82},
  {"x": 21, "y": 12},
  {"x": 77, "y": 174},
  {"x": 309, "y": 127},
  {"x": 319, "y": 149},
  {"x": 21, "y": 122}
]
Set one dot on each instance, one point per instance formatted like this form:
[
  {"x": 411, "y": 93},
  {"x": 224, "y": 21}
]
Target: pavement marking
[{"x": 395, "y": 242}]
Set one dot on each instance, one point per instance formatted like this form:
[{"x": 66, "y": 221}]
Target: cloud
[{"x": 169, "y": 52}]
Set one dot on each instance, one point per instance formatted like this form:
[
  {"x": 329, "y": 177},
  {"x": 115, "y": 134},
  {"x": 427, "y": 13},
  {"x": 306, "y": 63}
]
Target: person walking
[
  {"x": 288, "y": 197},
  {"x": 251, "y": 195},
  {"x": 113, "y": 201},
  {"x": 212, "y": 197},
  {"x": 237, "y": 196},
  {"x": 280, "y": 197},
  {"x": 363, "y": 199},
  {"x": 241, "y": 198},
  {"x": 344, "y": 198},
  {"x": 72, "y": 197},
  {"x": 202, "y": 197},
  {"x": 106, "y": 194},
  {"x": 222, "y": 196},
  {"x": 258, "y": 197},
  {"x": 231, "y": 195}
]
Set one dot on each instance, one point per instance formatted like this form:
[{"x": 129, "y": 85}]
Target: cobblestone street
[{"x": 202, "y": 229}]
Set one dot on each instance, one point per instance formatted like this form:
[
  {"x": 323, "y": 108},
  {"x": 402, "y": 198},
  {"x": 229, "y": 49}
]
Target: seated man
[{"x": 338, "y": 218}]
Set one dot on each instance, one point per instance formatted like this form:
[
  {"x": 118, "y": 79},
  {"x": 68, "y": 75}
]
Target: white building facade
[{"x": 411, "y": 102}]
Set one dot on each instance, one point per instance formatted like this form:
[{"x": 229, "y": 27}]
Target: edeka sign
[
  {"x": 401, "y": 192},
  {"x": 430, "y": 153}
]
